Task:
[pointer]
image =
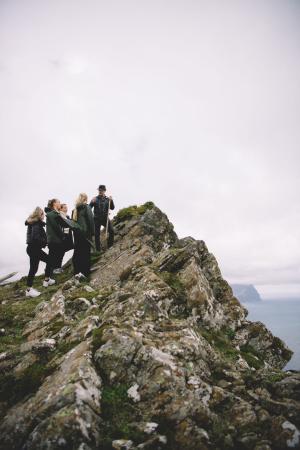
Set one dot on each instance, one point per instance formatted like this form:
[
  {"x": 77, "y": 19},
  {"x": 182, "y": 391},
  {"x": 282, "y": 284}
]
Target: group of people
[{"x": 62, "y": 233}]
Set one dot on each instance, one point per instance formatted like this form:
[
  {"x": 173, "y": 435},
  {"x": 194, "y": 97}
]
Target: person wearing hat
[{"x": 101, "y": 206}]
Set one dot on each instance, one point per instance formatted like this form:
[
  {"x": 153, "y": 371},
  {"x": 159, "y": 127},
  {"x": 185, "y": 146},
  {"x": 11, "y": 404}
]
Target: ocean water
[{"x": 282, "y": 317}]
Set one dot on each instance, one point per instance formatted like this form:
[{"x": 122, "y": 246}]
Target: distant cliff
[
  {"x": 154, "y": 352},
  {"x": 246, "y": 293}
]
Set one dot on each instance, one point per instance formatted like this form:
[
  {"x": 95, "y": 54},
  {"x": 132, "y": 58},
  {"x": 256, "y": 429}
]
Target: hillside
[{"x": 154, "y": 352}]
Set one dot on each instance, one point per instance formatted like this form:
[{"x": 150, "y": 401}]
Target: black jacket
[
  {"x": 100, "y": 205},
  {"x": 36, "y": 234}
]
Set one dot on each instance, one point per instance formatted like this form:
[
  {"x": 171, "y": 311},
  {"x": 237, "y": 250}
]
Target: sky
[{"x": 191, "y": 104}]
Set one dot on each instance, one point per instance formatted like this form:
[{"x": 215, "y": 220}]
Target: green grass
[
  {"x": 13, "y": 317},
  {"x": 252, "y": 356},
  {"x": 252, "y": 360},
  {"x": 273, "y": 377},
  {"x": 103, "y": 294},
  {"x": 15, "y": 313},
  {"x": 97, "y": 339},
  {"x": 222, "y": 342},
  {"x": 18, "y": 309},
  {"x": 119, "y": 414},
  {"x": 55, "y": 326},
  {"x": 64, "y": 347},
  {"x": 174, "y": 282},
  {"x": 230, "y": 333},
  {"x": 81, "y": 292},
  {"x": 132, "y": 211},
  {"x": 14, "y": 388}
]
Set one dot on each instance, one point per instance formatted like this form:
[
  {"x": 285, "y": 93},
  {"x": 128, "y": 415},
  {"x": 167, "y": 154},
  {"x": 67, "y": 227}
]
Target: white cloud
[{"x": 193, "y": 105}]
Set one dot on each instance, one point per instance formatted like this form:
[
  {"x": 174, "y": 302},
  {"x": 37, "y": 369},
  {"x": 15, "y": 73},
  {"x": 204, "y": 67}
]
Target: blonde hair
[
  {"x": 36, "y": 215},
  {"x": 81, "y": 200}
]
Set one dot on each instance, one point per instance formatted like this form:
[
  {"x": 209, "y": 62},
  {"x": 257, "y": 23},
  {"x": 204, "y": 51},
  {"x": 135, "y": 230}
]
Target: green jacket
[
  {"x": 85, "y": 220},
  {"x": 54, "y": 231}
]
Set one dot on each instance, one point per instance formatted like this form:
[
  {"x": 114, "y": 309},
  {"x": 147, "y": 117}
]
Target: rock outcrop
[{"x": 154, "y": 352}]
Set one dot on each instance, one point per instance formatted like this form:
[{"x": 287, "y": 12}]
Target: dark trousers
[
  {"x": 66, "y": 246},
  {"x": 56, "y": 253},
  {"x": 102, "y": 222},
  {"x": 82, "y": 256},
  {"x": 36, "y": 254},
  {"x": 60, "y": 260}
]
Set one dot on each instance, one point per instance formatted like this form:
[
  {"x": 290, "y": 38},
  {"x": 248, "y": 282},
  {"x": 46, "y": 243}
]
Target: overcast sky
[{"x": 192, "y": 104}]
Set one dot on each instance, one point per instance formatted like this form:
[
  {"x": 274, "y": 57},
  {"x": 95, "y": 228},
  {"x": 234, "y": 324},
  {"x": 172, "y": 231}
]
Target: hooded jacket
[{"x": 36, "y": 234}]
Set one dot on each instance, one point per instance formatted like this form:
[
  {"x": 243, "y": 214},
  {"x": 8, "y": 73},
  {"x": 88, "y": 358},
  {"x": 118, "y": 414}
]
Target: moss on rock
[
  {"x": 220, "y": 340},
  {"x": 174, "y": 282},
  {"x": 120, "y": 416},
  {"x": 13, "y": 388},
  {"x": 64, "y": 347},
  {"x": 132, "y": 211},
  {"x": 97, "y": 338}
]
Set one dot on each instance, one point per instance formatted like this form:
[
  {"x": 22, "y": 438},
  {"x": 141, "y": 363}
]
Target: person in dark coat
[
  {"x": 82, "y": 215},
  {"x": 101, "y": 205},
  {"x": 55, "y": 237},
  {"x": 36, "y": 240},
  {"x": 67, "y": 244}
]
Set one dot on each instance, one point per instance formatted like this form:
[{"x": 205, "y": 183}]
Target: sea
[{"x": 282, "y": 318}]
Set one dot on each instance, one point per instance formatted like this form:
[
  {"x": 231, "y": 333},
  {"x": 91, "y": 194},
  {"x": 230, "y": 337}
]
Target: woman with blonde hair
[
  {"x": 83, "y": 233},
  {"x": 67, "y": 243},
  {"x": 36, "y": 240}
]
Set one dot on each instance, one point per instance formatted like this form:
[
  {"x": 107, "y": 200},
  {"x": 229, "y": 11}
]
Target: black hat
[{"x": 102, "y": 187}]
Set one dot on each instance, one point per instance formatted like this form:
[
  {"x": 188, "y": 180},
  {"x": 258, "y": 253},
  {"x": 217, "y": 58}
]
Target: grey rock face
[{"x": 154, "y": 353}]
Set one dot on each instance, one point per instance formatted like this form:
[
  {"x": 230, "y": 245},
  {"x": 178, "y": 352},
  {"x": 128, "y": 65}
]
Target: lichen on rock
[{"x": 153, "y": 352}]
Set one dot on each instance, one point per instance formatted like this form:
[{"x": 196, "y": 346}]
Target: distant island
[{"x": 246, "y": 293}]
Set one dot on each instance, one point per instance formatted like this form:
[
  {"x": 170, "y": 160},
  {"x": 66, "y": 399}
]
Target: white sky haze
[{"x": 191, "y": 104}]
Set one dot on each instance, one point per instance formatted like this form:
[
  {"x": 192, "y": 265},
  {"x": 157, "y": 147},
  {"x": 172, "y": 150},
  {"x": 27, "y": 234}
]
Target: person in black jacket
[
  {"x": 83, "y": 233},
  {"x": 101, "y": 205},
  {"x": 55, "y": 237},
  {"x": 36, "y": 240}
]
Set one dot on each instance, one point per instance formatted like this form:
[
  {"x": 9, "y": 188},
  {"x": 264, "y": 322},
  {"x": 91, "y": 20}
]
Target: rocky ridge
[{"x": 154, "y": 352}]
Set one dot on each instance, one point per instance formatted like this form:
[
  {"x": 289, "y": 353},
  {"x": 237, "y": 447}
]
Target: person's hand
[{"x": 93, "y": 199}]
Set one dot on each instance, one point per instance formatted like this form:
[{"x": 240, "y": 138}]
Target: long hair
[
  {"x": 81, "y": 200},
  {"x": 36, "y": 215}
]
